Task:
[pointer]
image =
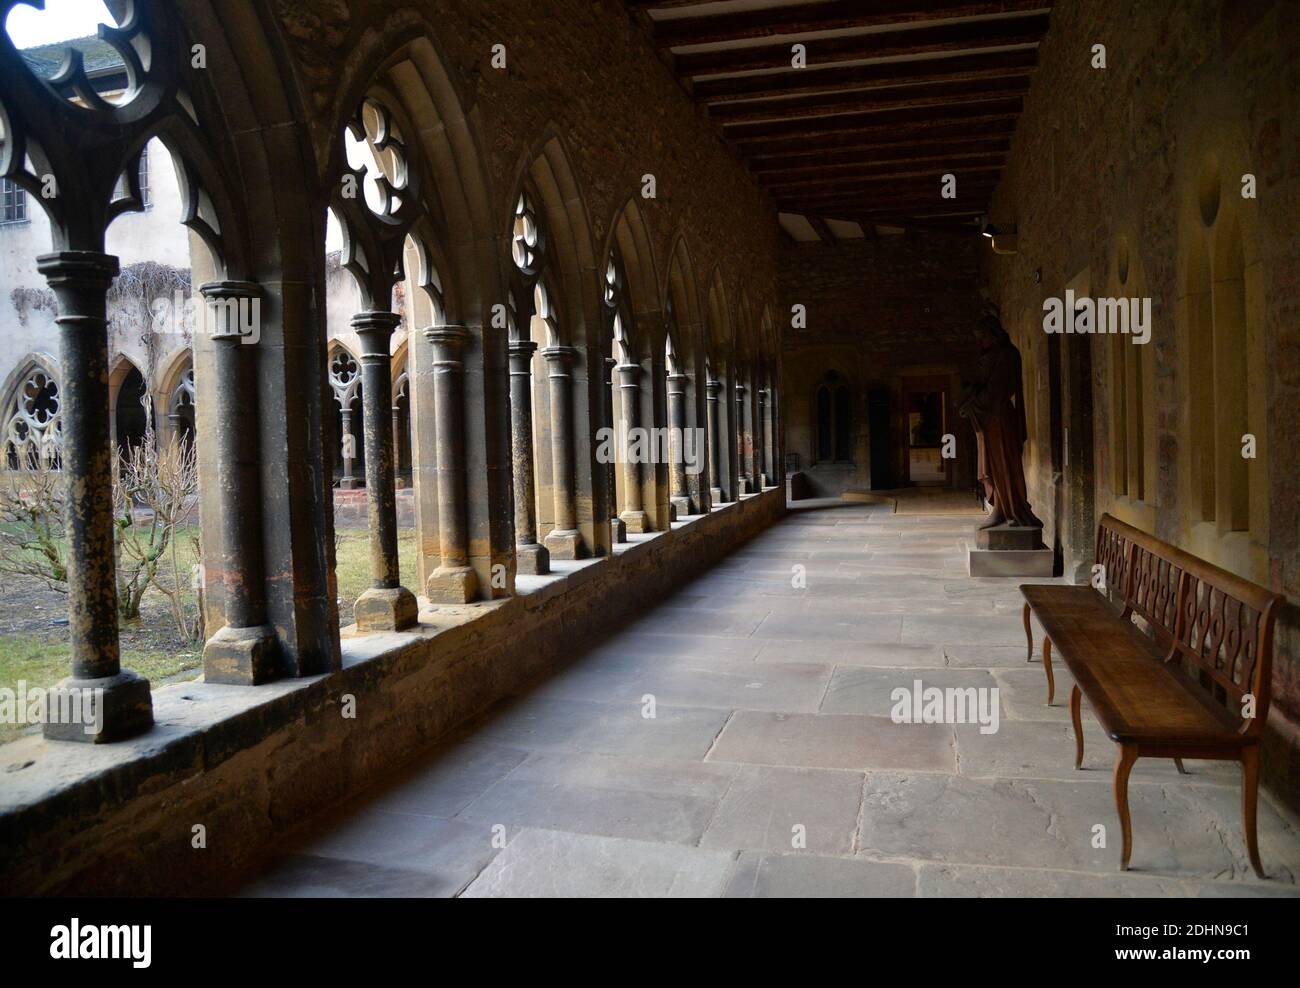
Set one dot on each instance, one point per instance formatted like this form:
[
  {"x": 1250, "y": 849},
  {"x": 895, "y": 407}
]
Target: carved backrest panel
[
  {"x": 1113, "y": 557},
  {"x": 1153, "y": 589},
  {"x": 1222, "y": 637}
]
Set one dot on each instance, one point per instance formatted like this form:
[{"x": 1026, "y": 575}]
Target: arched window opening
[
  {"x": 133, "y": 414},
  {"x": 33, "y": 426},
  {"x": 181, "y": 407},
  {"x": 1200, "y": 316},
  {"x": 349, "y": 419},
  {"x": 825, "y": 425},
  {"x": 843, "y": 424},
  {"x": 1231, "y": 381}
]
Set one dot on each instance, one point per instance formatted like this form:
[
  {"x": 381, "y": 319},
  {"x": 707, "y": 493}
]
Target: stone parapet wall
[{"x": 249, "y": 764}]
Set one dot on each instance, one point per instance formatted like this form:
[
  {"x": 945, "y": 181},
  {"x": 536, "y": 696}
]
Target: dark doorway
[
  {"x": 926, "y": 420},
  {"x": 882, "y": 477},
  {"x": 131, "y": 415}
]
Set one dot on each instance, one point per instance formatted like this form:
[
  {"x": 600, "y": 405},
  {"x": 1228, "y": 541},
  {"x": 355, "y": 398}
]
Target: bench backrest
[{"x": 1218, "y": 625}]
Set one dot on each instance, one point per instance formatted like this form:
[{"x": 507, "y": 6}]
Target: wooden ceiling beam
[
  {"x": 734, "y": 116},
  {"x": 953, "y": 68},
  {"x": 961, "y": 168},
  {"x": 828, "y": 51},
  {"x": 868, "y": 140},
  {"x": 851, "y": 126},
  {"x": 868, "y": 155},
  {"x": 829, "y": 15},
  {"x": 885, "y": 199}
]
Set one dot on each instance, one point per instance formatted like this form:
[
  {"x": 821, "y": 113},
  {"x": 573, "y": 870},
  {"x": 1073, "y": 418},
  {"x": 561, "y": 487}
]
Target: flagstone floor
[{"x": 771, "y": 765}]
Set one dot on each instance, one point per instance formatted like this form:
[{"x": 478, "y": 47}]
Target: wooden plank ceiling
[{"x": 895, "y": 94}]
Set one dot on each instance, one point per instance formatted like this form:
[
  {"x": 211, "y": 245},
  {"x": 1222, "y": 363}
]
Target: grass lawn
[{"x": 33, "y": 629}]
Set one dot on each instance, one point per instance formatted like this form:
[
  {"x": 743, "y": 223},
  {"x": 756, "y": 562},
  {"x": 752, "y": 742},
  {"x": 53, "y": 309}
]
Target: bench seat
[
  {"x": 1192, "y": 682},
  {"x": 1135, "y": 695}
]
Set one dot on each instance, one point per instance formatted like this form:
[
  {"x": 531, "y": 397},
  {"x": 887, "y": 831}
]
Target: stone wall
[
  {"x": 878, "y": 311},
  {"x": 1119, "y": 181},
  {"x": 249, "y": 764}
]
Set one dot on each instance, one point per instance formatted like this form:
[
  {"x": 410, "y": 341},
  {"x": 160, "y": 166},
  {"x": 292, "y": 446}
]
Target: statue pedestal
[{"x": 1009, "y": 550}]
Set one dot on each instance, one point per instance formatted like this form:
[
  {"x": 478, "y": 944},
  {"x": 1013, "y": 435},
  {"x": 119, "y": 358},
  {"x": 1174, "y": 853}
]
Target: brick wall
[
  {"x": 877, "y": 310},
  {"x": 1104, "y": 155}
]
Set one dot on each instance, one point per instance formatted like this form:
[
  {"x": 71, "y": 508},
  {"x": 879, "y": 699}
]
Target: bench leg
[
  {"x": 1029, "y": 636},
  {"x": 1047, "y": 665},
  {"x": 1181, "y": 771},
  {"x": 1076, "y": 715},
  {"x": 1124, "y": 760},
  {"x": 1249, "y": 802}
]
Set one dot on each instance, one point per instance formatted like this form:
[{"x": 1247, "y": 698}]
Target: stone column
[
  {"x": 680, "y": 498},
  {"x": 744, "y": 455},
  {"x": 530, "y": 555},
  {"x": 398, "y": 482},
  {"x": 760, "y": 439},
  {"x": 244, "y": 652},
  {"x": 454, "y": 581},
  {"x": 112, "y": 702},
  {"x": 713, "y": 389},
  {"x": 387, "y": 605},
  {"x": 633, "y": 514},
  {"x": 617, "y": 529},
  {"x": 564, "y": 541},
  {"x": 347, "y": 443}
]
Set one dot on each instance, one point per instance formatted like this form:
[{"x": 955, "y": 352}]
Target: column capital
[
  {"x": 451, "y": 337},
  {"x": 522, "y": 348},
  {"x": 375, "y": 329},
  {"x": 83, "y": 265},
  {"x": 713, "y": 388},
  {"x": 226, "y": 301},
  {"x": 740, "y": 388},
  {"x": 559, "y": 357}
]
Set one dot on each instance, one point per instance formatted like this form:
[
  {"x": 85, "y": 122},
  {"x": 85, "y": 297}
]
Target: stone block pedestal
[{"x": 1009, "y": 550}]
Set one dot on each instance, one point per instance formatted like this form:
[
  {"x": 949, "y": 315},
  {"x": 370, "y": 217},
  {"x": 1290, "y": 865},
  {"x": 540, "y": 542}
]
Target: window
[
  {"x": 13, "y": 202},
  {"x": 145, "y": 198},
  {"x": 834, "y": 414}
]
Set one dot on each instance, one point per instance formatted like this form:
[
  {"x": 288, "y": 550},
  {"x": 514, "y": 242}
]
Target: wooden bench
[{"x": 1180, "y": 686}]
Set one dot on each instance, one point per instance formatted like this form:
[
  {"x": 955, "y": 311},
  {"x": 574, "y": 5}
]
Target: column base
[
  {"x": 766, "y": 482},
  {"x": 681, "y": 507},
  {"x": 386, "y": 610},
  {"x": 97, "y": 711},
  {"x": 532, "y": 559},
  {"x": 452, "y": 585},
  {"x": 351, "y": 484},
  {"x": 743, "y": 488},
  {"x": 715, "y": 495},
  {"x": 241, "y": 656},
  {"x": 617, "y": 531},
  {"x": 637, "y": 522},
  {"x": 564, "y": 543}
]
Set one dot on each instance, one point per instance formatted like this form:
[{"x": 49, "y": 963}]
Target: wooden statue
[{"x": 995, "y": 404}]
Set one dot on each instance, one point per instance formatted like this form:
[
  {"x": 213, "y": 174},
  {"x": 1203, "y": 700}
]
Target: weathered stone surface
[
  {"x": 804, "y": 875},
  {"x": 783, "y": 809},
  {"x": 386, "y": 610},
  {"x": 547, "y": 864},
  {"x": 834, "y": 741}
]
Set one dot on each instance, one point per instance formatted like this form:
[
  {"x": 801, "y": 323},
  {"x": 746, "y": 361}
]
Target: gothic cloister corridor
[
  {"x": 771, "y": 712},
  {"x": 599, "y": 449}
]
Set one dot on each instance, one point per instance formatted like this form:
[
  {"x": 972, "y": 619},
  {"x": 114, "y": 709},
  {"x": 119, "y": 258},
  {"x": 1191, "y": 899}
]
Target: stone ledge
[{"x": 251, "y": 762}]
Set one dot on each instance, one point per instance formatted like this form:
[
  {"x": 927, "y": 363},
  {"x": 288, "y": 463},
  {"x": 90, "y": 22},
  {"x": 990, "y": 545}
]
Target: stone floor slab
[
  {"x": 803, "y": 875},
  {"x": 834, "y": 741},
  {"x": 550, "y": 864}
]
